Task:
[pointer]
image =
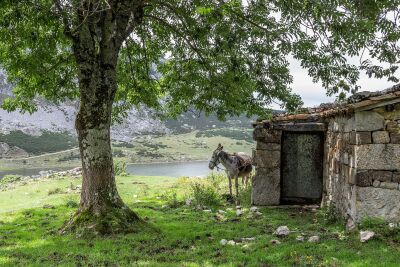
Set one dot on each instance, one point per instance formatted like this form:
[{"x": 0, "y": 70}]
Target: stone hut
[{"x": 346, "y": 155}]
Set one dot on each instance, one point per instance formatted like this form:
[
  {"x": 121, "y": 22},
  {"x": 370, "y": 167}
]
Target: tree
[{"x": 220, "y": 56}]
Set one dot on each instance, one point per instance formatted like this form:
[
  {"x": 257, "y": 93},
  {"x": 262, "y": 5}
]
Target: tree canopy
[{"x": 227, "y": 57}]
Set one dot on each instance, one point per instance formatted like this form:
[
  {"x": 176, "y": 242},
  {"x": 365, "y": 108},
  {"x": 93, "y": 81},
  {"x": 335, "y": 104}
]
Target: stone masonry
[{"x": 361, "y": 174}]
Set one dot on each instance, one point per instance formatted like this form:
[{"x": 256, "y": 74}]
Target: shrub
[
  {"x": 55, "y": 191},
  {"x": 205, "y": 194},
  {"x": 71, "y": 203},
  {"x": 171, "y": 199},
  {"x": 120, "y": 168},
  {"x": 331, "y": 215},
  {"x": 10, "y": 178}
]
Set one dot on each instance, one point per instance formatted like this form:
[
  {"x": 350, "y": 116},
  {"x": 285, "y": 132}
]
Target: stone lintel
[{"x": 300, "y": 127}]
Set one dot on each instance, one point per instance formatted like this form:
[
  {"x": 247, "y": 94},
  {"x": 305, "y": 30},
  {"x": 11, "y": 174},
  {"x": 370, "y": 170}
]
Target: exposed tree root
[{"x": 103, "y": 221}]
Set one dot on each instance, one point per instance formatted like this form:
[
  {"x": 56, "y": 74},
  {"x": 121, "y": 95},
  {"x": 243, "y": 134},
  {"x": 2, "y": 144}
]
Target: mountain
[{"x": 61, "y": 119}]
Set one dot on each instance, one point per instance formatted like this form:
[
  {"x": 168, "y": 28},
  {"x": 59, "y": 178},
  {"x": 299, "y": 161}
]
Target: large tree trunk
[
  {"x": 101, "y": 208},
  {"x": 97, "y": 36}
]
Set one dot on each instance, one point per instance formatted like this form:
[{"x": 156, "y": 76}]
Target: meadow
[{"x": 177, "y": 234}]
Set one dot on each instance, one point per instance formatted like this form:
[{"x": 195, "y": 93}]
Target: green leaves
[{"x": 218, "y": 56}]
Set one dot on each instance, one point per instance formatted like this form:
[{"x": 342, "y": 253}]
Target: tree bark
[{"x": 101, "y": 210}]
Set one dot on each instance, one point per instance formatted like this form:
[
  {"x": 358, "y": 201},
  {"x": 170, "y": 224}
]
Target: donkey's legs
[
  {"x": 230, "y": 186},
  {"x": 237, "y": 188},
  {"x": 245, "y": 180}
]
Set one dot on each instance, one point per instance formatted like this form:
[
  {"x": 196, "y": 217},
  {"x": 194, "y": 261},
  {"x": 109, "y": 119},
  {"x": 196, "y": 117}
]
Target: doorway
[{"x": 302, "y": 167}]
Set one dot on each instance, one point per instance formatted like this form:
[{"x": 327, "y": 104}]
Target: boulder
[
  {"x": 314, "y": 239},
  {"x": 366, "y": 235},
  {"x": 282, "y": 231}
]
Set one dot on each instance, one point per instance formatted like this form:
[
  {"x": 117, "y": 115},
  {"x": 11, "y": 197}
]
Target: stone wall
[
  {"x": 363, "y": 164},
  {"x": 267, "y": 160}
]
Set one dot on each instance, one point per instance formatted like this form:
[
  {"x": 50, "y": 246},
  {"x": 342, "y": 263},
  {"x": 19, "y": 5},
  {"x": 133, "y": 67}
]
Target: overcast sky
[{"x": 313, "y": 94}]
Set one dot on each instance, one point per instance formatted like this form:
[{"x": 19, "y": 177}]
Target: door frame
[{"x": 304, "y": 201}]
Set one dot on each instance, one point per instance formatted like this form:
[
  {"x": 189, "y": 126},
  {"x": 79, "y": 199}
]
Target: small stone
[
  {"x": 221, "y": 211},
  {"x": 208, "y": 211},
  {"x": 229, "y": 209},
  {"x": 258, "y": 213},
  {"x": 275, "y": 242},
  {"x": 134, "y": 196},
  {"x": 376, "y": 183},
  {"x": 189, "y": 202},
  {"x": 314, "y": 239},
  {"x": 300, "y": 238},
  {"x": 282, "y": 231},
  {"x": 238, "y": 207},
  {"x": 223, "y": 242},
  {"x": 231, "y": 242},
  {"x": 391, "y": 225},
  {"x": 239, "y": 213},
  {"x": 366, "y": 235},
  {"x": 253, "y": 209},
  {"x": 48, "y": 206}
]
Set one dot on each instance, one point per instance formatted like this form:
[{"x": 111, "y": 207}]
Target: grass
[{"x": 185, "y": 236}]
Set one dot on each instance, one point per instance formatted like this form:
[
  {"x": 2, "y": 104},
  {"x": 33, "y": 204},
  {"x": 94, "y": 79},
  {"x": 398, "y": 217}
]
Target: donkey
[{"x": 236, "y": 165}]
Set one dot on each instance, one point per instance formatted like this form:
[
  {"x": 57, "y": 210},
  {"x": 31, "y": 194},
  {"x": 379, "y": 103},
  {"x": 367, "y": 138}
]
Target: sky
[{"x": 314, "y": 94}]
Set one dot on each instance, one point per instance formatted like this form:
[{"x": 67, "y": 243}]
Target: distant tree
[{"x": 218, "y": 56}]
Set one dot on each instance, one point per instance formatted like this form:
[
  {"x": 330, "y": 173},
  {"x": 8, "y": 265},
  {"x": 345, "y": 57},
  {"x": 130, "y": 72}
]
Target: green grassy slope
[
  {"x": 195, "y": 145},
  {"x": 180, "y": 235}
]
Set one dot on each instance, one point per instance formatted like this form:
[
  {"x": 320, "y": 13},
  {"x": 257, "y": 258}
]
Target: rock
[
  {"x": 208, "y": 211},
  {"x": 378, "y": 202},
  {"x": 229, "y": 209},
  {"x": 223, "y": 242},
  {"x": 378, "y": 156},
  {"x": 389, "y": 185},
  {"x": 231, "y": 243},
  {"x": 275, "y": 242},
  {"x": 239, "y": 213},
  {"x": 48, "y": 206},
  {"x": 368, "y": 121},
  {"x": 134, "y": 196},
  {"x": 360, "y": 138},
  {"x": 376, "y": 183},
  {"x": 189, "y": 202},
  {"x": 282, "y": 231},
  {"x": 314, "y": 239},
  {"x": 253, "y": 209},
  {"x": 366, "y": 235},
  {"x": 238, "y": 207},
  {"x": 267, "y": 180},
  {"x": 380, "y": 137},
  {"x": 300, "y": 238},
  {"x": 221, "y": 211},
  {"x": 257, "y": 213}
]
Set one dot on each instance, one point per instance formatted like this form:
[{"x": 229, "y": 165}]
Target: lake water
[{"x": 176, "y": 169}]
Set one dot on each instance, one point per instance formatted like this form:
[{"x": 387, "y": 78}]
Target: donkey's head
[{"x": 214, "y": 161}]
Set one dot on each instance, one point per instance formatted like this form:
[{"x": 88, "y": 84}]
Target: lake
[{"x": 174, "y": 169}]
